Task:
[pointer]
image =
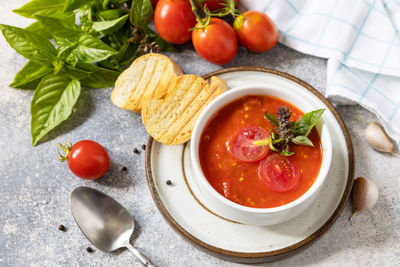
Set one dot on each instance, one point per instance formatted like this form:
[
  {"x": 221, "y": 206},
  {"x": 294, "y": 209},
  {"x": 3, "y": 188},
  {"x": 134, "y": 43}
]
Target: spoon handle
[{"x": 140, "y": 256}]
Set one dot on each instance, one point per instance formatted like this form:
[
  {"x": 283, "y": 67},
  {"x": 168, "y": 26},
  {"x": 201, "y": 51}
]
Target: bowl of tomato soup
[{"x": 246, "y": 169}]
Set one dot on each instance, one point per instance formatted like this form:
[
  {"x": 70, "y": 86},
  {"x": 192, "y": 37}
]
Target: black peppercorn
[
  {"x": 169, "y": 182},
  {"x": 136, "y": 151},
  {"x": 144, "y": 147},
  {"x": 89, "y": 249},
  {"x": 62, "y": 228}
]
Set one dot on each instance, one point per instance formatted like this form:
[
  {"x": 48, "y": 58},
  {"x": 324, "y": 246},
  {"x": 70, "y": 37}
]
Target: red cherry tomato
[
  {"x": 256, "y": 31},
  {"x": 173, "y": 19},
  {"x": 279, "y": 173},
  {"x": 88, "y": 160},
  {"x": 214, "y": 4},
  {"x": 242, "y": 144},
  {"x": 216, "y": 42}
]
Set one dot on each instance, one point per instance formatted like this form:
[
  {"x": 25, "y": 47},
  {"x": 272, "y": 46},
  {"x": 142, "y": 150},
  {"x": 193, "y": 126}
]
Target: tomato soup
[{"x": 239, "y": 181}]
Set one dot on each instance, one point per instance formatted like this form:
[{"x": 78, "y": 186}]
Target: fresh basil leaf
[
  {"x": 110, "y": 14},
  {"x": 109, "y": 26},
  {"x": 71, "y": 5},
  {"x": 95, "y": 76},
  {"x": 38, "y": 28},
  {"x": 41, "y": 7},
  {"x": 101, "y": 79},
  {"x": 127, "y": 53},
  {"x": 302, "y": 140},
  {"x": 272, "y": 118},
  {"x": 91, "y": 50},
  {"x": 141, "y": 12},
  {"x": 30, "y": 45},
  {"x": 29, "y": 76},
  {"x": 304, "y": 125},
  {"x": 59, "y": 27},
  {"x": 286, "y": 153},
  {"x": 63, "y": 42},
  {"x": 52, "y": 104},
  {"x": 110, "y": 63},
  {"x": 64, "y": 52}
]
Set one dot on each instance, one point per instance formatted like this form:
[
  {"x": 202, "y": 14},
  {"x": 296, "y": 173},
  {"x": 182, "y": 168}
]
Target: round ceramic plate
[{"x": 183, "y": 207}]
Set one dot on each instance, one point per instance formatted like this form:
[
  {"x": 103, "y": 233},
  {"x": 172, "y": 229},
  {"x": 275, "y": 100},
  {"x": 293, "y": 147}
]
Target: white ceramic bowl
[{"x": 257, "y": 216}]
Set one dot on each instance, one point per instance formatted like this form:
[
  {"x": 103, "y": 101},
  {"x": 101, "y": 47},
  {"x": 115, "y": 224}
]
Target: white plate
[{"x": 182, "y": 206}]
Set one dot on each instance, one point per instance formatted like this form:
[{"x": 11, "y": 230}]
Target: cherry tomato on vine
[
  {"x": 213, "y": 5},
  {"x": 279, "y": 173},
  {"x": 216, "y": 42},
  {"x": 86, "y": 159},
  {"x": 256, "y": 31},
  {"x": 242, "y": 144},
  {"x": 173, "y": 19}
]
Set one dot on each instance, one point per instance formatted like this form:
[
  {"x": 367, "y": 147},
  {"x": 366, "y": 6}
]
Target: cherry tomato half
[
  {"x": 173, "y": 19},
  {"x": 256, "y": 31},
  {"x": 279, "y": 173},
  {"x": 242, "y": 144},
  {"x": 88, "y": 160},
  {"x": 213, "y": 5},
  {"x": 216, "y": 42}
]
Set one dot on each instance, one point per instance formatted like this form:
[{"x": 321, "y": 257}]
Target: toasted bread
[
  {"x": 148, "y": 76},
  {"x": 171, "y": 120}
]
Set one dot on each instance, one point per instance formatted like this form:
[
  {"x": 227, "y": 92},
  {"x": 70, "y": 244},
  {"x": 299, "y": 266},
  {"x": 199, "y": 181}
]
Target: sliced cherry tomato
[
  {"x": 213, "y": 5},
  {"x": 87, "y": 159},
  {"x": 173, "y": 19},
  {"x": 216, "y": 42},
  {"x": 242, "y": 144},
  {"x": 256, "y": 31},
  {"x": 279, "y": 173}
]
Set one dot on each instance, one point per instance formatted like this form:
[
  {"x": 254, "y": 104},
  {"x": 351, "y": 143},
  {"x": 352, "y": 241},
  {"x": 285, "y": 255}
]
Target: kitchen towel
[{"x": 360, "y": 39}]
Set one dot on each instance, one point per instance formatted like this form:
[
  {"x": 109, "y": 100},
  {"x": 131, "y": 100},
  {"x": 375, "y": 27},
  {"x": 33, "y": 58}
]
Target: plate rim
[{"x": 252, "y": 257}]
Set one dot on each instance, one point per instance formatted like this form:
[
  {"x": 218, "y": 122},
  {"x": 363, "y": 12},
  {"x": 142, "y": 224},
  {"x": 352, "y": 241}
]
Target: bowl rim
[{"x": 204, "y": 118}]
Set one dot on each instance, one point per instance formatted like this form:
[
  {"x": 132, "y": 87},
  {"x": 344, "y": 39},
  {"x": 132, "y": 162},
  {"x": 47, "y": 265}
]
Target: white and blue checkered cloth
[{"x": 360, "y": 39}]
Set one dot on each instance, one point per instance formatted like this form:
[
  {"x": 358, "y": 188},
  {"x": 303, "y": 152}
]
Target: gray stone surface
[{"x": 35, "y": 187}]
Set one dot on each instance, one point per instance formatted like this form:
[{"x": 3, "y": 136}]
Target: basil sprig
[
  {"x": 65, "y": 54},
  {"x": 287, "y": 132}
]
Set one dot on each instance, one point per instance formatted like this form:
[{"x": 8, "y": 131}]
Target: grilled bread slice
[
  {"x": 150, "y": 75},
  {"x": 171, "y": 120}
]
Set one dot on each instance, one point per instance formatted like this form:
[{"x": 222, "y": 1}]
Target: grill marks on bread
[
  {"x": 148, "y": 76},
  {"x": 171, "y": 120}
]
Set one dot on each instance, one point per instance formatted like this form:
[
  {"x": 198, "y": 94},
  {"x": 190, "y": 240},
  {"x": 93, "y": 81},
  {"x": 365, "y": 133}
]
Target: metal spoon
[{"x": 104, "y": 221}]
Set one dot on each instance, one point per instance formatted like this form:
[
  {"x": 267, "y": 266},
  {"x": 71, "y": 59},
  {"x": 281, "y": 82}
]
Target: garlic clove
[
  {"x": 378, "y": 139},
  {"x": 364, "y": 195}
]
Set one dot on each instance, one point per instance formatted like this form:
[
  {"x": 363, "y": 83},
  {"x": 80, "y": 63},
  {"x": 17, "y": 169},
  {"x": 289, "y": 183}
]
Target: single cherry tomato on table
[
  {"x": 213, "y": 5},
  {"x": 256, "y": 31},
  {"x": 279, "y": 173},
  {"x": 173, "y": 19},
  {"x": 242, "y": 144},
  {"x": 216, "y": 42},
  {"x": 86, "y": 159}
]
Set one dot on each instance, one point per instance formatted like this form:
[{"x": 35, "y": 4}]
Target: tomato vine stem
[
  {"x": 229, "y": 9},
  {"x": 66, "y": 148}
]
